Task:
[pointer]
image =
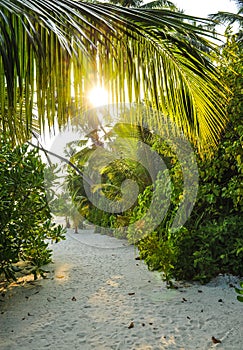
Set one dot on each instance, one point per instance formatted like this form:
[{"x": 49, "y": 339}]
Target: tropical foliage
[
  {"x": 26, "y": 222},
  {"x": 230, "y": 18},
  {"x": 211, "y": 241},
  {"x": 53, "y": 52}
]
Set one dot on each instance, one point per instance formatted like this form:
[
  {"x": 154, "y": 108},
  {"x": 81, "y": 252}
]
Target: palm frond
[
  {"x": 228, "y": 17},
  {"x": 160, "y": 4},
  {"x": 53, "y": 51}
]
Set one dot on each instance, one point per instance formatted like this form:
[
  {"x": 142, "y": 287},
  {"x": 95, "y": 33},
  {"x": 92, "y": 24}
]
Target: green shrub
[
  {"x": 25, "y": 218},
  {"x": 158, "y": 254},
  {"x": 214, "y": 248},
  {"x": 212, "y": 239}
]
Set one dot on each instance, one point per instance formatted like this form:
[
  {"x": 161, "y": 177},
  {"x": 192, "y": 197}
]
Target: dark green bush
[
  {"x": 214, "y": 248},
  {"x": 25, "y": 218}
]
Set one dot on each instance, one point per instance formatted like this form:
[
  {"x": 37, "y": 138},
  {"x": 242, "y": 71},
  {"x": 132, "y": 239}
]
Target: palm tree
[
  {"x": 234, "y": 22},
  {"x": 160, "y": 4},
  {"x": 230, "y": 18},
  {"x": 53, "y": 51},
  {"x": 141, "y": 4}
]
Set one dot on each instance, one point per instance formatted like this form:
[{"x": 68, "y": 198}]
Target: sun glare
[{"x": 98, "y": 96}]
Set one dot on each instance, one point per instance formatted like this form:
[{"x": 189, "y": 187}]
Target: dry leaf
[
  {"x": 216, "y": 341},
  {"x": 131, "y": 325}
]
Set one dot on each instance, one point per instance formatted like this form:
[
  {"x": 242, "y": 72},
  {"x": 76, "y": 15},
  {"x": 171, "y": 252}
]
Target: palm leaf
[
  {"x": 52, "y": 52},
  {"x": 228, "y": 17},
  {"x": 160, "y": 4}
]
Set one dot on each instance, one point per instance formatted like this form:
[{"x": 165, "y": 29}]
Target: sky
[{"x": 203, "y": 8}]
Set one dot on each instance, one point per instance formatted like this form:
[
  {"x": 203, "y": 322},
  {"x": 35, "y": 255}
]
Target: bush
[
  {"x": 25, "y": 225},
  {"x": 214, "y": 248},
  {"x": 212, "y": 239}
]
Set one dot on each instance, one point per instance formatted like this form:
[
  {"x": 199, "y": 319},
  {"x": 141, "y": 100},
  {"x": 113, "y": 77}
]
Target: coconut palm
[
  {"x": 141, "y": 4},
  {"x": 230, "y": 18},
  {"x": 53, "y": 51}
]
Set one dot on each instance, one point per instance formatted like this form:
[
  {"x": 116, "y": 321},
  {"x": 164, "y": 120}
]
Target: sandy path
[{"x": 96, "y": 289}]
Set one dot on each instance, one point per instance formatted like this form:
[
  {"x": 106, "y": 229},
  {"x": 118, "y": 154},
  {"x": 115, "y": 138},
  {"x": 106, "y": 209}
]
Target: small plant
[{"x": 240, "y": 292}]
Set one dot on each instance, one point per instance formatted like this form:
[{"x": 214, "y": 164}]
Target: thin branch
[{"x": 85, "y": 178}]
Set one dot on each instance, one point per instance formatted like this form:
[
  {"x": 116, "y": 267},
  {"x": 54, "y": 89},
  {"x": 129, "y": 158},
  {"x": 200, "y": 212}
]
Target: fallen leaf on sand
[
  {"x": 60, "y": 276},
  {"x": 216, "y": 341},
  {"x": 131, "y": 325}
]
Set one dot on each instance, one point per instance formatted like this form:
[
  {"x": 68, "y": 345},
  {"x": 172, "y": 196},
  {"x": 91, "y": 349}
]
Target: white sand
[{"x": 96, "y": 289}]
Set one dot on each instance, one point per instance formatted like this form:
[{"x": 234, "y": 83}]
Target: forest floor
[{"x": 99, "y": 297}]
